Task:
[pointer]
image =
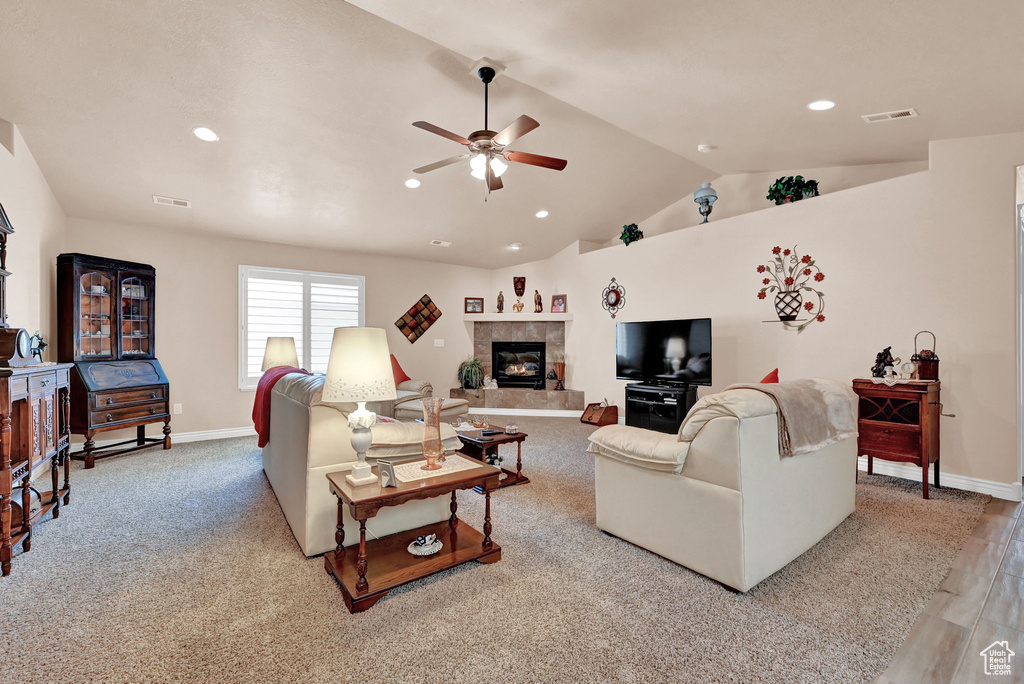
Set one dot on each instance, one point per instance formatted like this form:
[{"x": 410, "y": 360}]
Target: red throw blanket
[{"x": 261, "y": 407}]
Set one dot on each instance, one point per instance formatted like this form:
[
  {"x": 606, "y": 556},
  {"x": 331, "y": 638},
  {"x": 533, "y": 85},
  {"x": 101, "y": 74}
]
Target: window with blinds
[{"x": 305, "y": 305}]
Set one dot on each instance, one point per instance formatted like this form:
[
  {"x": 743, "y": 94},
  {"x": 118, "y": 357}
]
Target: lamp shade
[
  {"x": 360, "y": 366},
  {"x": 280, "y": 352},
  {"x": 705, "y": 192},
  {"x": 675, "y": 349}
]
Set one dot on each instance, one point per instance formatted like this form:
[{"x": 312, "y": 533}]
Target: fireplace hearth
[{"x": 518, "y": 364}]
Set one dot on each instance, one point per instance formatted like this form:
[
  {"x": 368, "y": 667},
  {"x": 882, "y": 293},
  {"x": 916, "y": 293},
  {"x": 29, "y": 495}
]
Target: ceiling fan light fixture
[
  {"x": 477, "y": 164},
  {"x": 498, "y": 167}
]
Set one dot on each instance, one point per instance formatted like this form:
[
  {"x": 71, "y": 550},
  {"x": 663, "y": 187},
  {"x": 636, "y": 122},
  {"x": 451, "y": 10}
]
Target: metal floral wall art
[{"x": 793, "y": 278}]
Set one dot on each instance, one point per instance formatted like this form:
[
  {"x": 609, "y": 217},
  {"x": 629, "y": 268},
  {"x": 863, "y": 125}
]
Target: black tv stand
[{"x": 658, "y": 407}]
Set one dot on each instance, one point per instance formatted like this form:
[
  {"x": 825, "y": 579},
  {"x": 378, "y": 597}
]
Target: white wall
[
  {"x": 39, "y": 232},
  {"x": 930, "y": 250},
  {"x": 197, "y": 323}
]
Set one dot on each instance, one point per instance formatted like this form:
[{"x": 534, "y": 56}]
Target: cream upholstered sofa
[
  {"x": 310, "y": 438},
  {"x": 717, "y": 497}
]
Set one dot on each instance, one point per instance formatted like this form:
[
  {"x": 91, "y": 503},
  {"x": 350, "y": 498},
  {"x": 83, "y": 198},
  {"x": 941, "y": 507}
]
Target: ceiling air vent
[
  {"x": 441, "y": 243},
  {"x": 889, "y": 116},
  {"x": 171, "y": 202}
]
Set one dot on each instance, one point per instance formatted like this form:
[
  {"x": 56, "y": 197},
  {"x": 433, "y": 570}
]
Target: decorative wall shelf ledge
[{"x": 517, "y": 317}]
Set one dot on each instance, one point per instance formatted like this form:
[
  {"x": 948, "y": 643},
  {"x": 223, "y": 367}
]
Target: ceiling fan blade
[
  {"x": 493, "y": 182},
  {"x": 536, "y": 160},
  {"x": 443, "y": 162},
  {"x": 440, "y": 131},
  {"x": 515, "y": 130}
]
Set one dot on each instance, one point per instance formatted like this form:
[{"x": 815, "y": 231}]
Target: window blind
[{"x": 305, "y": 305}]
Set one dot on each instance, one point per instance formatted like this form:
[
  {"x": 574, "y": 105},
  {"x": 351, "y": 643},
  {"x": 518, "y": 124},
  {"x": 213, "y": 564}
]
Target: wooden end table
[
  {"x": 477, "y": 446},
  {"x": 364, "y": 583}
]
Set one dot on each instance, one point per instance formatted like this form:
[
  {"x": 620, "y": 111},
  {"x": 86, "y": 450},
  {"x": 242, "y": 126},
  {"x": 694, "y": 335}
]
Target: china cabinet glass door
[
  {"x": 95, "y": 302},
  {"x": 136, "y": 317}
]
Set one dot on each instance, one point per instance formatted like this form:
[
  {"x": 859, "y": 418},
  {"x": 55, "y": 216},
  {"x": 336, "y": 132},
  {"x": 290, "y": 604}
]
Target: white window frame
[{"x": 245, "y": 382}]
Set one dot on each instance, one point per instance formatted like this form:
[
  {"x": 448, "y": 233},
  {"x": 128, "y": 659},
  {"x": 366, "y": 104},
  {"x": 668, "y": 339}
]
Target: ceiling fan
[{"x": 487, "y": 148}]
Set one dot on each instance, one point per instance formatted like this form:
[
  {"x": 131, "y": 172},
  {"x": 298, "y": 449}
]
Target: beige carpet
[{"x": 179, "y": 566}]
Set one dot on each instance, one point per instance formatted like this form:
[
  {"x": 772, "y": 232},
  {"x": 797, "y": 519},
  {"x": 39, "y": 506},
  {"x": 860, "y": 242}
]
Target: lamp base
[{"x": 361, "y": 474}]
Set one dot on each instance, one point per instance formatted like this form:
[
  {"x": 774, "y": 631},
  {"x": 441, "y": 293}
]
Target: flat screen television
[{"x": 664, "y": 352}]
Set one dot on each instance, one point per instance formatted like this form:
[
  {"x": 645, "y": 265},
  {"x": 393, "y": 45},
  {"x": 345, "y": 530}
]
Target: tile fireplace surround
[{"x": 550, "y": 332}]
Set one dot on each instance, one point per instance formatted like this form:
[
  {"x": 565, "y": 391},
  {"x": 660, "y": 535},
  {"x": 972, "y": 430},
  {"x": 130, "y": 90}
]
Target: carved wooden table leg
[
  {"x": 55, "y": 484},
  {"x": 454, "y": 520},
  {"x": 26, "y": 502},
  {"x": 924, "y": 475},
  {"x": 487, "y": 520},
  {"x": 6, "y": 484},
  {"x": 67, "y": 475},
  {"x": 362, "y": 585},
  {"x": 519, "y": 461},
  {"x": 65, "y": 455},
  {"x": 87, "y": 448},
  {"x": 339, "y": 535},
  {"x": 167, "y": 432}
]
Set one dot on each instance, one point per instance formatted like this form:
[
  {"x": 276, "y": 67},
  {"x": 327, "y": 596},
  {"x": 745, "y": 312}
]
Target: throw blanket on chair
[
  {"x": 261, "y": 407},
  {"x": 812, "y": 413}
]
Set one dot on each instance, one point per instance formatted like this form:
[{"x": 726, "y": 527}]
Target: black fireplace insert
[{"x": 518, "y": 364}]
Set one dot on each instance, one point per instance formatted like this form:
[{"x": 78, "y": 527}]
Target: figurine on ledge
[
  {"x": 882, "y": 359},
  {"x": 501, "y": 302}
]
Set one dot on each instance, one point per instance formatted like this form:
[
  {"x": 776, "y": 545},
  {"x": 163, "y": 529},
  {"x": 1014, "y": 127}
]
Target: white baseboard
[
  {"x": 1010, "y": 491},
  {"x": 181, "y": 437},
  {"x": 540, "y": 413}
]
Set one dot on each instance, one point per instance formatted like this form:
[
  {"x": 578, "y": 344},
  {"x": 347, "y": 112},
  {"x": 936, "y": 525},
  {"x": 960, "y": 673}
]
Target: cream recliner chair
[
  {"x": 718, "y": 498},
  {"x": 310, "y": 438}
]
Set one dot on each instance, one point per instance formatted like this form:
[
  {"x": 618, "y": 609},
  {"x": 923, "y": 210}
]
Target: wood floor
[{"x": 981, "y": 601}]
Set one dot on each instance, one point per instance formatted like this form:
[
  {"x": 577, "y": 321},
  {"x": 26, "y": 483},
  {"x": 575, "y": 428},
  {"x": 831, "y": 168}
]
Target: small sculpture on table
[
  {"x": 882, "y": 359},
  {"x": 538, "y": 303},
  {"x": 501, "y": 302},
  {"x": 518, "y": 306}
]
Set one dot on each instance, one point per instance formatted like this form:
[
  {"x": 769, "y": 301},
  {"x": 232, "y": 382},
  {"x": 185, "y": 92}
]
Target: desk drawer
[
  {"x": 893, "y": 440},
  {"x": 113, "y": 415},
  {"x": 113, "y": 399},
  {"x": 42, "y": 381}
]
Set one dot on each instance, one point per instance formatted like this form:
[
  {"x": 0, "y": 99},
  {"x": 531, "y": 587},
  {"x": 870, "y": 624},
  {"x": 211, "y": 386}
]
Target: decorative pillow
[
  {"x": 771, "y": 377},
  {"x": 400, "y": 375}
]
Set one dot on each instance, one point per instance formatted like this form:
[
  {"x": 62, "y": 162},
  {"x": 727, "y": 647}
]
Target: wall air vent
[
  {"x": 171, "y": 201},
  {"x": 441, "y": 243},
  {"x": 889, "y": 116}
]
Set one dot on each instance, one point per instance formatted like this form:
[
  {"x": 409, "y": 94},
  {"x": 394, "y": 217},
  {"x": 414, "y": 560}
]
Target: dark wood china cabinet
[{"x": 106, "y": 311}]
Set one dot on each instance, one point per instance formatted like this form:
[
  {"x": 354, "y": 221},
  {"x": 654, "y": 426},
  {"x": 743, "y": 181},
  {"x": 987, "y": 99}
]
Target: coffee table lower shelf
[{"x": 390, "y": 565}]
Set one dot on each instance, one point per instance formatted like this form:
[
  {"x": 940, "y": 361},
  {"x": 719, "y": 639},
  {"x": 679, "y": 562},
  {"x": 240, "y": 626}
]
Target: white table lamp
[
  {"x": 280, "y": 352},
  {"x": 359, "y": 370}
]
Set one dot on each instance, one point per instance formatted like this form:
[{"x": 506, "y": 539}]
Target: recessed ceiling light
[
  {"x": 705, "y": 148},
  {"x": 821, "y": 105},
  {"x": 515, "y": 246},
  {"x": 541, "y": 214},
  {"x": 441, "y": 243},
  {"x": 412, "y": 183},
  {"x": 205, "y": 134}
]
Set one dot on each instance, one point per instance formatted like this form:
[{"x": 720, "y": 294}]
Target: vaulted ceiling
[{"x": 313, "y": 102}]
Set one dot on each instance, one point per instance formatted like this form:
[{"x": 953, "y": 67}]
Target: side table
[
  {"x": 900, "y": 423},
  {"x": 381, "y": 565},
  {"x": 478, "y": 447}
]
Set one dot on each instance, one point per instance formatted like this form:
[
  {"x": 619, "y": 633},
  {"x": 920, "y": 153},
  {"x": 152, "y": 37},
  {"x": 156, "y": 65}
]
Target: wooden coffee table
[
  {"x": 476, "y": 445},
  {"x": 386, "y": 563}
]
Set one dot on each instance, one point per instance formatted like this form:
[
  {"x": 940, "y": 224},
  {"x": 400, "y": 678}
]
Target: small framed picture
[
  {"x": 474, "y": 304},
  {"x": 558, "y": 303}
]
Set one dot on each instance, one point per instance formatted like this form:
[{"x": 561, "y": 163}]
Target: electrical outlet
[
  {"x": 438, "y": 343},
  {"x": 176, "y": 409}
]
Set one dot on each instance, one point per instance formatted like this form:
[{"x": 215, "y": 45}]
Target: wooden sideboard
[
  {"x": 34, "y": 432},
  {"x": 900, "y": 423}
]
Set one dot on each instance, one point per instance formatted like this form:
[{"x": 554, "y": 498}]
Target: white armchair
[
  {"x": 725, "y": 504},
  {"x": 310, "y": 438}
]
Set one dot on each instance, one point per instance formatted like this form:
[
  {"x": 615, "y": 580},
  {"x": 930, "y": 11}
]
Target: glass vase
[{"x": 432, "y": 432}]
